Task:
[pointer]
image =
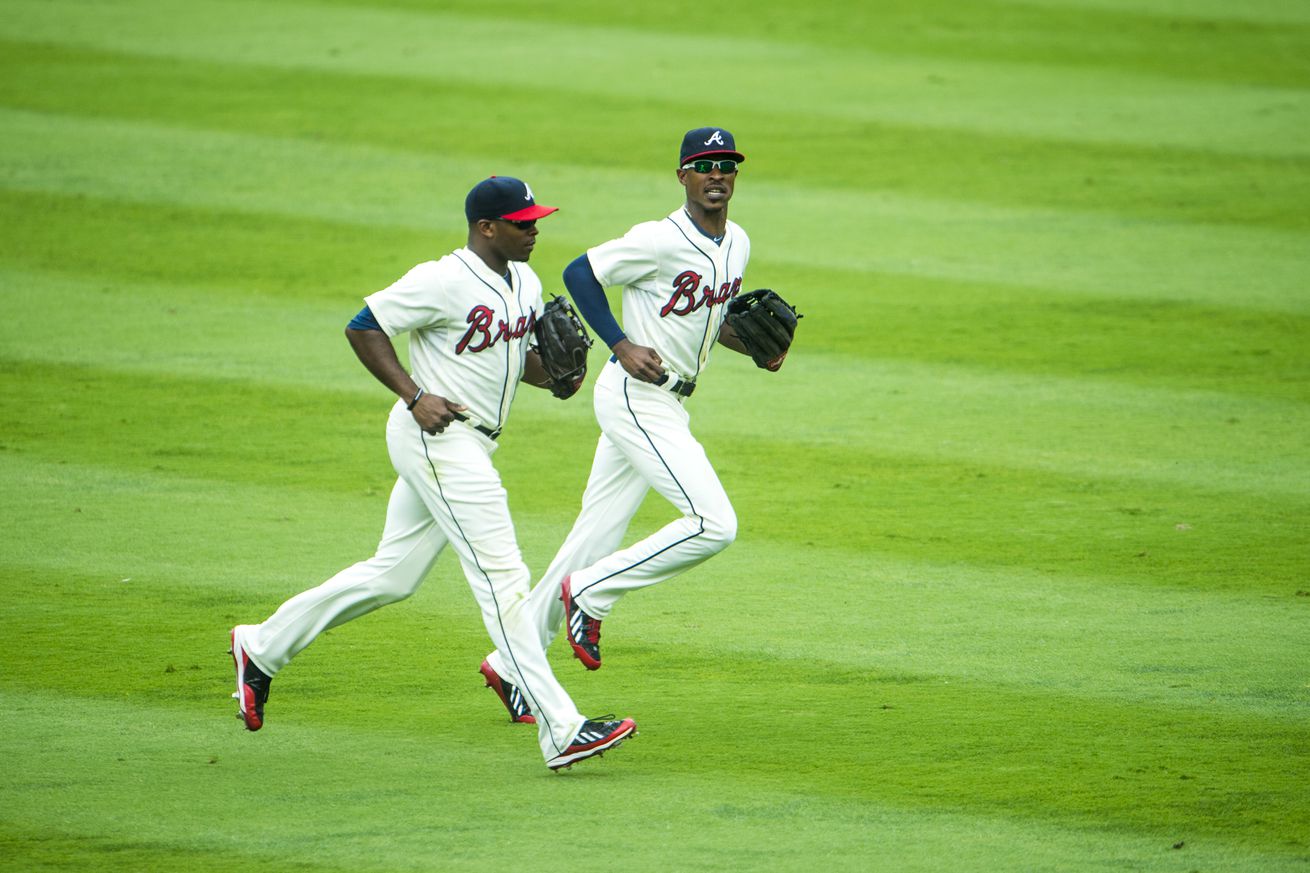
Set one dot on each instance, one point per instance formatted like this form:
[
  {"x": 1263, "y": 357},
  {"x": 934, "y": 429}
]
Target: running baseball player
[
  {"x": 470, "y": 316},
  {"x": 679, "y": 275}
]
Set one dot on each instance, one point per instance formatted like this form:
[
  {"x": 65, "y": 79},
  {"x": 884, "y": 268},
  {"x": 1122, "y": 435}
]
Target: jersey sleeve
[
  {"x": 626, "y": 260},
  {"x": 411, "y": 302}
]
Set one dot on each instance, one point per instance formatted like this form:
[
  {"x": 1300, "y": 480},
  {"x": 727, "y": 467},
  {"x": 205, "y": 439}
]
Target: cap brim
[
  {"x": 736, "y": 156},
  {"x": 530, "y": 213}
]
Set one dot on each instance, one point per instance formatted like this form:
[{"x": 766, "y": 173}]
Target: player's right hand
[
  {"x": 641, "y": 362},
  {"x": 434, "y": 412}
]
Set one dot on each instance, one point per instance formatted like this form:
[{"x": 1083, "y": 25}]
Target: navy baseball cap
[
  {"x": 503, "y": 197},
  {"x": 705, "y": 141}
]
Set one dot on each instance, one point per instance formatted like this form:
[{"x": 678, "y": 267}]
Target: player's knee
[
  {"x": 395, "y": 585},
  {"x": 391, "y": 593},
  {"x": 721, "y": 530}
]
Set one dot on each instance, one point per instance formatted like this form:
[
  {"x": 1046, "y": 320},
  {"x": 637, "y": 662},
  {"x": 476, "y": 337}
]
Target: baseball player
[
  {"x": 470, "y": 316},
  {"x": 677, "y": 274}
]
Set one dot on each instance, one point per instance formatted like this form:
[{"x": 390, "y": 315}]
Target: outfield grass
[{"x": 1023, "y": 573}]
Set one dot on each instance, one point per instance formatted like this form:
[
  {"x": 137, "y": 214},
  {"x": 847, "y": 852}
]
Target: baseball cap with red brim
[
  {"x": 706, "y": 141},
  {"x": 504, "y": 197}
]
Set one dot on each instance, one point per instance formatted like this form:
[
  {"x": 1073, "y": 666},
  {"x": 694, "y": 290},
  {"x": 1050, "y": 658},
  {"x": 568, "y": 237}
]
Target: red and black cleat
[
  {"x": 252, "y": 683},
  {"x": 509, "y": 694},
  {"x": 583, "y": 631}
]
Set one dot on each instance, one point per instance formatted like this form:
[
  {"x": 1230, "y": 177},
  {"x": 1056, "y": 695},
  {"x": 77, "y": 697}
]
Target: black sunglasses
[
  {"x": 705, "y": 166},
  {"x": 521, "y": 225}
]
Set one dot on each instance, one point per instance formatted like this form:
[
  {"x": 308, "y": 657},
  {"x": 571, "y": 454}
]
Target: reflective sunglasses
[
  {"x": 705, "y": 166},
  {"x": 521, "y": 225}
]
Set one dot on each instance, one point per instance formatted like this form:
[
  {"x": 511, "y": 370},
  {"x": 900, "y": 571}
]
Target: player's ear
[{"x": 485, "y": 228}]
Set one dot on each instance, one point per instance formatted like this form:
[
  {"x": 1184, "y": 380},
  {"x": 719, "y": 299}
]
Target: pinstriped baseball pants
[
  {"x": 448, "y": 493},
  {"x": 645, "y": 443}
]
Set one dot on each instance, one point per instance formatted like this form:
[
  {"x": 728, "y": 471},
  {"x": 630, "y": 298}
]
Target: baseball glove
[
  {"x": 765, "y": 324},
  {"x": 562, "y": 344}
]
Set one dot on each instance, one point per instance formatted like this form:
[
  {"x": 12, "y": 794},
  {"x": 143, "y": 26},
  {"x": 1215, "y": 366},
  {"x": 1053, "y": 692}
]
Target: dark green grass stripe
[
  {"x": 209, "y": 248},
  {"x": 405, "y": 809},
  {"x": 39, "y": 846},
  {"x": 422, "y": 116},
  {"x": 1229, "y": 48}
]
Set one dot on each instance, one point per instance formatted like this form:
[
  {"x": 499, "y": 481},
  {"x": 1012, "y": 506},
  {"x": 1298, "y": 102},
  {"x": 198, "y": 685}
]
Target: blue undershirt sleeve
[
  {"x": 587, "y": 293},
  {"x": 365, "y": 321}
]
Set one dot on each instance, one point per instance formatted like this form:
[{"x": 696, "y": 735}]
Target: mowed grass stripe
[
  {"x": 182, "y": 169},
  {"x": 1290, "y": 14},
  {"x": 210, "y": 96},
  {"x": 977, "y": 438},
  {"x": 1168, "y": 645},
  {"x": 896, "y": 740},
  {"x": 741, "y": 817},
  {"x": 909, "y": 329},
  {"x": 856, "y": 84},
  {"x": 1262, "y": 42},
  {"x": 891, "y": 495}
]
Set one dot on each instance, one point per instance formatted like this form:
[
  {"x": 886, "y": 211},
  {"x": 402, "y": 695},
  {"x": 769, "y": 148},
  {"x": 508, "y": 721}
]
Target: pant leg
[
  {"x": 410, "y": 544},
  {"x": 453, "y": 474},
  {"x": 614, "y": 492},
  {"x": 651, "y": 428}
]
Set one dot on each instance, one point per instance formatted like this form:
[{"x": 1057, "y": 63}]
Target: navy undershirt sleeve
[
  {"x": 365, "y": 321},
  {"x": 587, "y": 293}
]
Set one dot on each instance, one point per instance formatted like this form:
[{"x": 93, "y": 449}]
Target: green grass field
[{"x": 1023, "y": 575}]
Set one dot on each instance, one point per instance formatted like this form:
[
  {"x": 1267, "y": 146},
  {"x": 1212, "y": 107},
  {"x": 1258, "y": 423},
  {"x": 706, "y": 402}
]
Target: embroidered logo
[
  {"x": 716, "y": 138},
  {"x": 689, "y": 295},
  {"x": 485, "y": 330},
  {"x": 527, "y": 196}
]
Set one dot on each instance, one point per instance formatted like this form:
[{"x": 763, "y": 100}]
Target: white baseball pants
[
  {"x": 448, "y": 493},
  {"x": 645, "y": 443}
]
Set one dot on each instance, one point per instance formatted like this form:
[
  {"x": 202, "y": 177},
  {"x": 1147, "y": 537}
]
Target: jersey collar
[
  {"x": 690, "y": 224},
  {"x": 485, "y": 273}
]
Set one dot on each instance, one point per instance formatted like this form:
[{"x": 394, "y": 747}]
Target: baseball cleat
[
  {"x": 509, "y": 694},
  {"x": 583, "y": 631},
  {"x": 595, "y": 738},
  {"x": 252, "y": 683}
]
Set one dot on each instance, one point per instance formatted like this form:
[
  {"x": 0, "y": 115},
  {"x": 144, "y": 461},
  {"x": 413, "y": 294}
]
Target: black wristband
[{"x": 410, "y": 404}]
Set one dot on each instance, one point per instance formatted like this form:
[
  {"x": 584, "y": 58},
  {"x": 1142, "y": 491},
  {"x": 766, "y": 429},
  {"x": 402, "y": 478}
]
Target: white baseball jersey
[
  {"x": 675, "y": 281},
  {"x": 468, "y": 340},
  {"x": 469, "y": 329}
]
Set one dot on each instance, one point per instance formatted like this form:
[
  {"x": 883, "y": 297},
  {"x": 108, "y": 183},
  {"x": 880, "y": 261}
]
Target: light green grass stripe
[
  {"x": 1081, "y": 427},
  {"x": 1081, "y": 636},
  {"x": 382, "y": 800},
  {"x": 914, "y": 236},
  {"x": 784, "y": 77}
]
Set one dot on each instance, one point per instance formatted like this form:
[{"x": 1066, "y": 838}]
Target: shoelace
[{"x": 591, "y": 628}]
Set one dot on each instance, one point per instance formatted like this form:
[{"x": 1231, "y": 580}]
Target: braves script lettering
[
  {"x": 480, "y": 335},
  {"x": 687, "y": 299}
]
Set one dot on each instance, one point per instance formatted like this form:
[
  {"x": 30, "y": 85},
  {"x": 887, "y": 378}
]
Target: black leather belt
[
  {"x": 682, "y": 387},
  {"x": 482, "y": 429}
]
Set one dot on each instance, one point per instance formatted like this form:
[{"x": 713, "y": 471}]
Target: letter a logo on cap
[
  {"x": 715, "y": 138},
  {"x": 527, "y": 196}
]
